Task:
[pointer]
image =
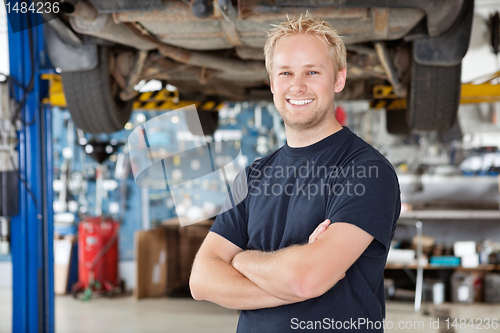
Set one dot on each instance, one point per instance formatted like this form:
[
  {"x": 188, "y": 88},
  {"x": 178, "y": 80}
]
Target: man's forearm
[
  {"x": 305, "y": 271},
  {"x": 217, "y": 281},
  {"x": 278, "y": 272},
  {"x": 274, "y": 272}
]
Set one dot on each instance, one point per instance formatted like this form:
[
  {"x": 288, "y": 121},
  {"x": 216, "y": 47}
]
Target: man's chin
[{"x": 301, "y": 124}]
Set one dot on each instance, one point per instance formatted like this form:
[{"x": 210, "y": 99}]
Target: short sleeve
[
  {"x": 231, "y": 223},
  {"x": 367, "y": 196}
]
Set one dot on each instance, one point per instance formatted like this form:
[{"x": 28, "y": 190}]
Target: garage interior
[{"x": 63, "y": 178}]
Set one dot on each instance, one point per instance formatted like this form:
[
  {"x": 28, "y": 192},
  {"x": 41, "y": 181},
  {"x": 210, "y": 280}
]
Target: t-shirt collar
[{"x": 329, "y": 141}]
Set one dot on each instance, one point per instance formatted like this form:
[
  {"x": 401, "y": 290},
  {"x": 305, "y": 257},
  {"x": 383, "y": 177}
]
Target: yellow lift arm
[{"x": 153, "y": 100}]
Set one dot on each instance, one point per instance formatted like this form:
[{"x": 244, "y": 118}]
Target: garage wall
[{"x": 479, "y": 60}]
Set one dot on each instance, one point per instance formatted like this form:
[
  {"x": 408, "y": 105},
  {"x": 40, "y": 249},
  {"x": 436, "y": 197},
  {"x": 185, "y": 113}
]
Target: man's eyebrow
[
  {"x": 305, "y": 66},
  {"x": 313, "y": 65}
]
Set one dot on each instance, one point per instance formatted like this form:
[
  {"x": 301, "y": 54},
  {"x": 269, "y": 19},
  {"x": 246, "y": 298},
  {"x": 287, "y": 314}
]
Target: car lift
[
  {"x": 32, "y": 228},
  {"x": 161, "y": 100}
]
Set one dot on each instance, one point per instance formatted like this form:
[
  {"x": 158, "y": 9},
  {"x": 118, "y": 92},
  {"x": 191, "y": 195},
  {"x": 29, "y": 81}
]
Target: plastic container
[{"x": 462, "y": 287}]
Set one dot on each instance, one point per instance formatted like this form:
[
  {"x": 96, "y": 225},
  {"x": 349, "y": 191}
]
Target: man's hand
[{"x": 319, "y": 230}]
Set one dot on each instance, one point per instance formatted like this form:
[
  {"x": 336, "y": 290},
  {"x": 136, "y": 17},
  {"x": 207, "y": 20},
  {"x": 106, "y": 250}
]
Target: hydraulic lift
[
  {"x": 161, "y": 100},
  {"x": 31, "y": 229}
]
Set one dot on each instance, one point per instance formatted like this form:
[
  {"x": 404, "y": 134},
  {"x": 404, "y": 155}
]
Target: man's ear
[
  {"x": 271, "y": 84},
  {"x": 341, "y": 77}
]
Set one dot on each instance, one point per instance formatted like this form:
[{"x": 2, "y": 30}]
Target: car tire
[
  {"x": 396, "y": 122},
  {"x": 90, "y": 100},
  {"x": 434, "y": 97},
  {"x": 209, "y": 121}
]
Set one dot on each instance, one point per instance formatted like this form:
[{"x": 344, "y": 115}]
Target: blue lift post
[{"x": 32, "y": 229}]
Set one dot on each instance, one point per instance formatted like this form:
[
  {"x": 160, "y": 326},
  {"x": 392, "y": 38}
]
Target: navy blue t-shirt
[{"x": 283, "y": 197}]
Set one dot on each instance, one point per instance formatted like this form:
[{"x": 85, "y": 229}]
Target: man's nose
[{"x": 298, "y": 85}]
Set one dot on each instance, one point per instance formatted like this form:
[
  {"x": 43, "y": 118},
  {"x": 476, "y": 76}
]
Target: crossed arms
[{"x": 225, "y": 274}]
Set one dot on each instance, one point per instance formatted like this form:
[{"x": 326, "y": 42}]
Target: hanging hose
[{"x": 104, "y": 250}]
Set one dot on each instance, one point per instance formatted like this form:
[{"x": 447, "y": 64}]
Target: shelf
[
  {"x": 452, "y": 215},
  {"x": 433, "y": 267}
]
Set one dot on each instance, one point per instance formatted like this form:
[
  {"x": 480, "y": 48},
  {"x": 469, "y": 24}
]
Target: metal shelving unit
[
  {"x": 415, "y": 218},
  {"x": 452, "y": 215}
]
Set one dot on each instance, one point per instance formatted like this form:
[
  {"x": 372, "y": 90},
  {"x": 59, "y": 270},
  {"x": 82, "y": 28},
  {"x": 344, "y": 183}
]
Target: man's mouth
[{"x": 299, "y": 101}]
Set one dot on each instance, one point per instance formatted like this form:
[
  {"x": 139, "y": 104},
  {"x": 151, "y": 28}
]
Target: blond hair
[{"x": 306, "y": 24}]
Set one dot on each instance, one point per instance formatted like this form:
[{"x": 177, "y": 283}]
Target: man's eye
[
  {"x": 313, "y": 72},
  {"x": 285, "y": 73}
]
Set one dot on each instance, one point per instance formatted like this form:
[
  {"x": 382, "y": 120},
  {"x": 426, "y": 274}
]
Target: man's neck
[{"x": 303, "y": 138}]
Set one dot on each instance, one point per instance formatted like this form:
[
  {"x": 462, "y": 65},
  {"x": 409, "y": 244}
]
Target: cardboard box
[
  {"x": 461, "y": 249},
  {"x": 165, "y": 256},
  {"x": 470, "y": 260},
  {"x": 190, "y": 239},
  {"x": 64, "y": 253},
  {"x": 152, "y": 248}
]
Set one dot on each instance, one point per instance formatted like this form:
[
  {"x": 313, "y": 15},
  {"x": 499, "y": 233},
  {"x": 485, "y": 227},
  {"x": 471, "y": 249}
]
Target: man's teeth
[{"x": 300, "y": 101}]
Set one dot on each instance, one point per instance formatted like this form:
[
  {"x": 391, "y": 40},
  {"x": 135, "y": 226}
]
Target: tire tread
[
  {"x": 434, "y": 97},
  {"x": 89, "y": 99}
]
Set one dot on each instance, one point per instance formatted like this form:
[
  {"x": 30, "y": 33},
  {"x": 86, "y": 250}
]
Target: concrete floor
[{"x": 183, "y": 315}]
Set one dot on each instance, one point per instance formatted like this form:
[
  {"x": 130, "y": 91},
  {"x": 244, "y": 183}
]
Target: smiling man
[{"x": 305, "y": 248}]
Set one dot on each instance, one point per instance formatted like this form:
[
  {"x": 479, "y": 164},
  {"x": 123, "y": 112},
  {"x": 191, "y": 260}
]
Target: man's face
[{"x": 303, "y": 81}]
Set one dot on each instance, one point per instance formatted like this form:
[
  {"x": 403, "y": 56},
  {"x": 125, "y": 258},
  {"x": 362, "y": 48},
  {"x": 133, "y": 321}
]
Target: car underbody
[{"x": 214, "y": 49}]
